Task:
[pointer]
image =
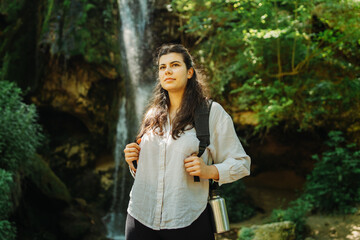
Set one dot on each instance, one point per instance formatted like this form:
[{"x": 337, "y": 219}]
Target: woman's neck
[{"x": 175, "y": 102}]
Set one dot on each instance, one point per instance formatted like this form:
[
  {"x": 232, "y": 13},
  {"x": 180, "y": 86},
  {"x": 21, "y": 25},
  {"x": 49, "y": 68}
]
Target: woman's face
[{"x": 173, "y": 73}]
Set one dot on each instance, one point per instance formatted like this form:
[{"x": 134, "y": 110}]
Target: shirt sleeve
[{"x": 226, "y": 150}]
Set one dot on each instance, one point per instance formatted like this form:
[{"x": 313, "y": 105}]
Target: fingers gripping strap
[{"x": 202, "y": 114}]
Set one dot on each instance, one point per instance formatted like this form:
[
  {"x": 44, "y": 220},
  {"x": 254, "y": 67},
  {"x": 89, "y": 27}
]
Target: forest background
[{"x": 278, "y": 67}]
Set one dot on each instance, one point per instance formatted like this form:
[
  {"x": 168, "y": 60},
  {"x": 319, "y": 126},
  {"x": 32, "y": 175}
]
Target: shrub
[
  {"x": 19, "y": 133},
  {"x": 7, "y": 230},
  {"x": 19, "y": 137},
  {"x": 296, "y": 213},
  {"x": 334, "y": 183},
  {"x": 246, "y": 234},
  {"x": 332, "y": 186},
  {"x": 5, "y": 191},
  {"x": 237, "y": 202}
]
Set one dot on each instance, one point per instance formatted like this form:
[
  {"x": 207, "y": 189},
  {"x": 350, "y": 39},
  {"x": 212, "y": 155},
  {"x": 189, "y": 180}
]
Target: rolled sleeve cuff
[
  {"x": 230, "y": 174},
  {"x": 224, "y": 173}
]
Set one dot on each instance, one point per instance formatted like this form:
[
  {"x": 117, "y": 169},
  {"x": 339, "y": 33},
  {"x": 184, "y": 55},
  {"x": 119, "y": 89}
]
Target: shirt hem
[{"x": 134, "y": 215}]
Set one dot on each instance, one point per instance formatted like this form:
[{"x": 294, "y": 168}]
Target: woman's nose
[{"x": 168, "y": 70}]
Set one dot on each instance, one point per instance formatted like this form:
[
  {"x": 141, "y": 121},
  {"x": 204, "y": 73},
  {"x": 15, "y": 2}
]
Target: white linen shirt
[{"x": 164, "y": 195}]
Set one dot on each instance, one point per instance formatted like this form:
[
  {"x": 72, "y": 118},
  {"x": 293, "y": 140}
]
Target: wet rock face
[
  {"x": 77, "y": 106},
  {"x": 281, "y": 151},
  {"x": 83, "y": 91},
  {"x": 78, "y": 111},
  {"x": 280, "y": 162}
]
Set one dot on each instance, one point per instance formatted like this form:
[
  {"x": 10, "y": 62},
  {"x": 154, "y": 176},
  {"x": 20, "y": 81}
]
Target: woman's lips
[{"x": 169, "y": 79}]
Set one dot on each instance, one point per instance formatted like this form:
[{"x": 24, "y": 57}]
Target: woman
[{"x": 165, "y": 202}]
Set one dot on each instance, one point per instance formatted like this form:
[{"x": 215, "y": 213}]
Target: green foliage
[
  {"x": 4, "y": 67},
  {"x": 237, "y": 202},
  {"x": 5, "y": 191},
  {"x": 11, "y": 8},
  {"x": 332, "y": 186},
  {"x": 296, "y": 213},
  {"x": 288, "y": 61},
  {"x": 334, "y": 183},
  {"x": 44, "y": 178},
  {"x": 19, "y": 137},
  {"x": 7, "y": 230},
  {"x": 19, "y": 133},
  {"x": 85, "y": 28},
  {"x": 246, "y": 234},
  {"x": 81, "y": 29},
  {"x": 17, "y": 42}
]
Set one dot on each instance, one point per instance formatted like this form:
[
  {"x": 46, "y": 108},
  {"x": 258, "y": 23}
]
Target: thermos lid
[{"x": 214, "y": 193}]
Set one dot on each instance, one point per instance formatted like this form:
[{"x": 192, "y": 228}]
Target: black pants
[{"x": 200, "y": 229}]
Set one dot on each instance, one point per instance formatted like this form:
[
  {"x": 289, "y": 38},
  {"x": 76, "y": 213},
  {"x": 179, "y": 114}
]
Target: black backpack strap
[{"x": 202, "y": 114}]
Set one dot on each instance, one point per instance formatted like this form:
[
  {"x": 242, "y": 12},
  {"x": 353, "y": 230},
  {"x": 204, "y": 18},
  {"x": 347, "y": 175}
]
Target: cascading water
[
  {"x": 114, "y": 220},
  {"x": 134, "y": 20}
]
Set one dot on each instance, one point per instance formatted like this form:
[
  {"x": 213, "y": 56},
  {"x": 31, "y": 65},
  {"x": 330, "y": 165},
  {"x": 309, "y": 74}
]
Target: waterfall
[
  {"x": 134, "y": 20},
  {"x": 115, "y": 219}
]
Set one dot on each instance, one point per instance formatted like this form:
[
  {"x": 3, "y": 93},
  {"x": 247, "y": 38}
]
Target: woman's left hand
[{"x": 195, "y": 166}]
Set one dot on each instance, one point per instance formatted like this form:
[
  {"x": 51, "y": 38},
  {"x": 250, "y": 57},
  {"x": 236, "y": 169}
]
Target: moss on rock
[
  {"x": 273, "y": 231},
  {"x": 46, "y": 181}
]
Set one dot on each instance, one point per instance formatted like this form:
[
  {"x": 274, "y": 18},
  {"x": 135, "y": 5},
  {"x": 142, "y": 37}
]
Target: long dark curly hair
[{"x": 196, "y": 93}]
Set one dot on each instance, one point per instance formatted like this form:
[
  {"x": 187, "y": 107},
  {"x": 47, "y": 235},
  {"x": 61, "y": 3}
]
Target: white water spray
[
  {"x": 115, "y": 220},
  {"x": 134, "y": 19}
]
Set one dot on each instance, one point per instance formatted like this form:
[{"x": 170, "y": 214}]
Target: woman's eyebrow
[{"x": 170, "y": 63}]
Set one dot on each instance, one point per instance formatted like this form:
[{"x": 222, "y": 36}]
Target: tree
[{"x": 290, "y": 62}]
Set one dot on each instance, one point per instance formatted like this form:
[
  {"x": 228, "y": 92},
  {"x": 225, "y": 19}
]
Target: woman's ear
[{"x": 190, "y": 72}]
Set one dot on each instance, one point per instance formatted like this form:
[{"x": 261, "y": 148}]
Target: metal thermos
[{"x": 221, "y": 219}]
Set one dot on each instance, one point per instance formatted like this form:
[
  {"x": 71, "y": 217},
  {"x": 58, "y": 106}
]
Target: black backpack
[{"x": 202, "y": 114}]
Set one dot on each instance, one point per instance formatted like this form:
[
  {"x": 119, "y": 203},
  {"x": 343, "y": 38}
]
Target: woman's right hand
[{"x": 132, "y": 151}]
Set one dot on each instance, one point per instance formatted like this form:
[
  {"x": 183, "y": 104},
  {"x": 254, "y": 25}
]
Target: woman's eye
[
  {"x": 176, "y": 65},
  {"x": 162, "y": 67}
]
